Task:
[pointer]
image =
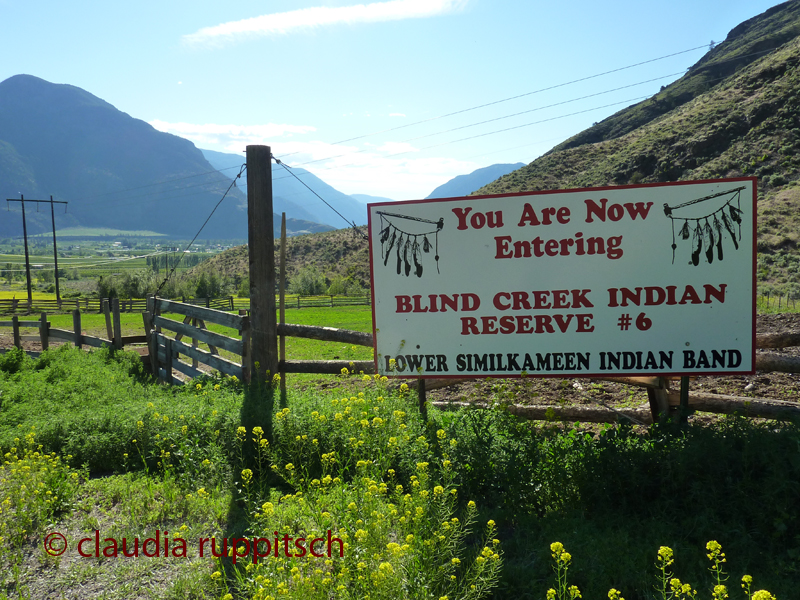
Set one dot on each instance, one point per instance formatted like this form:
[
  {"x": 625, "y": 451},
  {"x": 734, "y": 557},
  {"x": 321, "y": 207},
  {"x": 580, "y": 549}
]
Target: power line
[
  {"x": 538, "y": 108},
  {"x": 175, "y": 266},
  {"x": 350, "y": 224},
  {"x": 140, "y": 187},
  {"x": 545, "y": 89},
  {"x": 737, "y": 58}
]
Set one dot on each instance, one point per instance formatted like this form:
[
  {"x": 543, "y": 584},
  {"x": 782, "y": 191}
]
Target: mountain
[
  {"x": 463, "y": 185},
  {"x": 290, "y": 195},
  {"x": 734, "y": 113},
  {"x": 367, "y": 199},
  {"x": 114, "y": 170}
]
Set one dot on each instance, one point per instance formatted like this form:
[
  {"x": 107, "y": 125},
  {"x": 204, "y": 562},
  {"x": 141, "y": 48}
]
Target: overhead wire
[
  {"x": 737, "y": 58},
  {"x": 349, "y": 223},
  {"x": 538, "y": 91},
  {"x": 443, "y": 116},
  {"x": 175, "y": 266},
  {"x": 538, "y": 108},
  {"x": 81, "y": 265}
]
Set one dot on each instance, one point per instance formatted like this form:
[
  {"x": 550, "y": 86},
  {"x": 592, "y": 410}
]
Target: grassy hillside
[
  {"x": 748, "y": 124},
  {"x": 735, "y": 113},
  {"x": 340, "y": 253},
  {"x": 746, "y": 43}
]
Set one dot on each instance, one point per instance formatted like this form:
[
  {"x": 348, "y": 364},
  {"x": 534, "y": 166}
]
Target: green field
[{"x": 90, "y": 232}]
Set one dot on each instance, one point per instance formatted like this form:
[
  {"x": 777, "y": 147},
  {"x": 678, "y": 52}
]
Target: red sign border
[{"x": 753, "y": 180}]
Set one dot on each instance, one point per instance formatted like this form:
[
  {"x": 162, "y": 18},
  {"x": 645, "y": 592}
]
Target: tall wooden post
[
  {"x": 261, "y": 246},
  {"x": 55, "y": 251},
  {"x": 27, "y": 256},
  {"x": 117, "y": 323},
  {"x": 282, "y": 348}
]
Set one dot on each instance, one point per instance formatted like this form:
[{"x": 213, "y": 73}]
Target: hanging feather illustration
[
  {"x": 697, "y": 244},
  {"x": 405, "y": 241},
  {"x": 736, "y": 214},
  {"x": 389, "y": 249},
  {"x": 729, "y": 226},
  {"x": 417, "y": 264},
  {"x": 707, "y": 230},
  {"x": 405, "y": 257},
  {"x": 709, "y": 242},
  {"x": 399, "y": 258}
]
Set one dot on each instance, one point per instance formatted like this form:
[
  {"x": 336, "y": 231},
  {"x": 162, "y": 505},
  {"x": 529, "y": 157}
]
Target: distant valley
[{"x": 118, "y": 172}]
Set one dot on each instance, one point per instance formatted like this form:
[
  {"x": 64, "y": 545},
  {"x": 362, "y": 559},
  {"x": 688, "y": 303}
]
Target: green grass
[
  {"x": 175, "y": 459},
  {"x": 183, "y": 464}
]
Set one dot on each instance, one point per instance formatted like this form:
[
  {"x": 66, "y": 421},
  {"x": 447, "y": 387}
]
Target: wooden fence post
[
  {"x": 246, "y": 350},
  {"x": 659, "y": 400},
  {"x": 195, "y": 363},
  {"x": 168, "y": 364},
  {"x": 15, "y": 329},
  {"x": 106, "y": 308},
  {"x": 117, "y": 324},
  {"x": 76, "y": 327},
  {"x": 43, "y": 332},
  {"x": 261, "y": 251},
  {"x": 282, "y": 305}
]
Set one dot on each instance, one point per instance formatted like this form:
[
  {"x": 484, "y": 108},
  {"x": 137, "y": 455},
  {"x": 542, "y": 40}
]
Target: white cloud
[
  {"x": 397, "y": 148},
  {"x": 230, "y": 138},
  {"x": 396, "y": 115},
  {"x": 388, "y": 169},
  {"x": 320, "y": 16},
  {"x": 374, "y": 171}
]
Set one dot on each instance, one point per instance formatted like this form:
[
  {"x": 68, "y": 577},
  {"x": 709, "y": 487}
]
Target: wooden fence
[
  {"x": 194, "y": 328},
  {"x": 165, "y": 356},
  {"x": 165, "y": 351},
  {"x": 663, "y": 399},
  {"x": 16, "y": 305},
  {"x": 47, "y": 332},
  {"x": 20, "y": 306}
]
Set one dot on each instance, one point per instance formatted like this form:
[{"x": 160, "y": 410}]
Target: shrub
[{"x": 308, "y": 281}]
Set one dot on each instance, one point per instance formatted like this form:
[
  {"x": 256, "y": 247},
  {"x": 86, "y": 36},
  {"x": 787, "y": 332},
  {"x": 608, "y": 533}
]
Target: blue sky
[{"x": 362, "y": 95}]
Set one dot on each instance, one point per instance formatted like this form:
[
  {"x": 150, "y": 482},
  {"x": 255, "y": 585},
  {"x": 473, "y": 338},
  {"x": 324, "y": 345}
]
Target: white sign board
[{"x": 635, "y": 280}]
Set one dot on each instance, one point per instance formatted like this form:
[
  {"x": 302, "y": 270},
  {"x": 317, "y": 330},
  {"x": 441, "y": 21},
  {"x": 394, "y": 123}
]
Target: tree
[
  {"x": 208, "y": 286},
  {"x": 308, "y": 281}
]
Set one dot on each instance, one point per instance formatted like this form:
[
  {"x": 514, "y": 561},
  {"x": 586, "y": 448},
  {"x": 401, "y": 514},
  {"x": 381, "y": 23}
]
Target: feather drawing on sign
[
  {"x": 708, "y": 230},
  {"x": 408, "y": 241}
]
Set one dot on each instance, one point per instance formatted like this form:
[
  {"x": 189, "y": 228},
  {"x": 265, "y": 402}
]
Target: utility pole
[
  {"x": 261, "y": 249},
  {"x": 25, "y": 235}
]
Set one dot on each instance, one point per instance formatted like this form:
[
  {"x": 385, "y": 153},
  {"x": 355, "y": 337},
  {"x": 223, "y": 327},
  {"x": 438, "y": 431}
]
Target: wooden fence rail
[
  {"x": 47, "y": 332},
  {"x": 165, "y": 351},
  {"x": 16, "y": 305},
  {"x": 228, "y": 303}
]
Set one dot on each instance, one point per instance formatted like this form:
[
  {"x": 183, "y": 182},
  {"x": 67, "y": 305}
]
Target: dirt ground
[
  {"x": 551, "y": 391},
  {"x": 558, "y": 391}
]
